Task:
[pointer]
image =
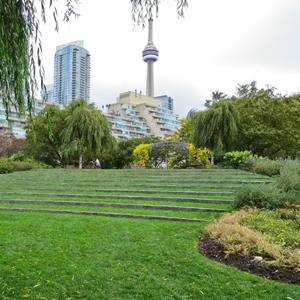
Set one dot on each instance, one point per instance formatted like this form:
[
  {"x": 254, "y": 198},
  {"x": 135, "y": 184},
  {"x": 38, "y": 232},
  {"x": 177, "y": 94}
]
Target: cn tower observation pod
[{"x": 150, "y": 52}]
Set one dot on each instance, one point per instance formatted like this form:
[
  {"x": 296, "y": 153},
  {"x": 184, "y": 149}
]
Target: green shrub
[
  {"x": 267, "y": 167},
  {"x": 248, "y": 164},
  {"x": 289, "y": 179},
  {"x": 18, "y": 157},
  {"x": 235, "y": 159},
  {"x": 6, "y": 168},
  {"x": 281, "y": 230},
  {"x": 22, "y": 166},
  {"x": 7, "y": 165},
  {"x": 266, "y": 196}
]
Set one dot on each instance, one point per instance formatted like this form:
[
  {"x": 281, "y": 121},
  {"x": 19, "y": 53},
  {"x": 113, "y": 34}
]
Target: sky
[{"x": 216, "y": 46}]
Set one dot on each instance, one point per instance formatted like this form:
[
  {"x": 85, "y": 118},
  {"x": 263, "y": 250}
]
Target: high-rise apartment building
[
  {"x": 72, "y": 64},
  {"x": 167, "y": 102}
]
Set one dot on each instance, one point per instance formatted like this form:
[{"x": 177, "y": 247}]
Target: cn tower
[{"x": 150, "y": 55}]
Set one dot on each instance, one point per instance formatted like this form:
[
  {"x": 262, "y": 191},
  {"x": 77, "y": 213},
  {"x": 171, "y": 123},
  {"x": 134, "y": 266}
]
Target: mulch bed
[{"x": 214, "y": 250}]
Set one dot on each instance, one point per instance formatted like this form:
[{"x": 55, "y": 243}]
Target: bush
[
  {"x": 267, "y": 167},
  {"x": 7, "y": 165},
  {"x": 6, "y": 168},
  {"x": 235, "y": 159},
  {"x": 261, "y": 196},
  {"x": 289, "y": 179},
  {"x": 248, "y": 164}
]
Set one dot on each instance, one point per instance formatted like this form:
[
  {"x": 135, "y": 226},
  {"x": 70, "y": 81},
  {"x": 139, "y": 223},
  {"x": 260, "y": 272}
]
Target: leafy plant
[
  {"x": 275, "y": 224},
  {"x": 289, "y": 179},
  {"x": 141, "y": 154},
  {"x": 7, "y": 165},
  {"x": 261, "y": 196},
  {"x": 198, "y": 155},
  {"x": 267, "y": 167},
  {"x": 236, "y": 158},
  {"x": 291, "y": 212}
]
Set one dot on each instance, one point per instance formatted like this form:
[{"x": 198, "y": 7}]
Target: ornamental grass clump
[{"x": 236, "y": 238}]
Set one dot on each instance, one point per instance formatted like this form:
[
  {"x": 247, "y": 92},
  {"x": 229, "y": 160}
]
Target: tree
[
  {"x": 142, "y": 10},
  {"x": 60, "y": 137},
  {"x": 269, "y": 122},
  {"x": 10, "y": 145},
  {"x": 216, "y": 127},
  {"x": 216, "y": 96},
  {"x": 44, "y": 138},
  {"x": 86, "y": 133},
  {"x": 20, "y": 55},
  {"x": 182, "y": 134}
]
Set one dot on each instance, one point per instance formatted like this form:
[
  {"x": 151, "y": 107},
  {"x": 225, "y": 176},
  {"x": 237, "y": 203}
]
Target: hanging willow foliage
[
  {"x": 142, "y": 10},
  {"x": 86, "y": 131},
  {"x": 21, "y": 70},
  {"x": 216, "y": 127}
]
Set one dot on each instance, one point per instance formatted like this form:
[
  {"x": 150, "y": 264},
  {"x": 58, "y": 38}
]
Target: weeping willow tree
[
  {"x": 86, "y": 133},
  {"x": 142, "y": 10},
  {"x": 21, "y": 71},
  {"x": 216, "y": 127}
]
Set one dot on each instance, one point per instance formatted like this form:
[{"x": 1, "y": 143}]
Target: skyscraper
[
  {"x": 150, "y": 55},
  {"x": 71, "y": 73}
]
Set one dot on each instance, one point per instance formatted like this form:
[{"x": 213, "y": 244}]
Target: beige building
[{"x": 137, "y": 115}]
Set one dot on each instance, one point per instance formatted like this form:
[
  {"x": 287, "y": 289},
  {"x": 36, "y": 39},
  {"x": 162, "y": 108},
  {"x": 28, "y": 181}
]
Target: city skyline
[{"x": 215, "y": 47}]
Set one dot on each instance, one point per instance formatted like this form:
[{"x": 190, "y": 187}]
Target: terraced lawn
[{"x": 53, "y": 247}]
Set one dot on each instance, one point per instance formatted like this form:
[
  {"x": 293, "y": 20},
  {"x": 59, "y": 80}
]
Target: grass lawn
[
  {"x": 124, "y": 201},
  {"x": 48, "y": 256},
  {"x": 66, "y": 256}
]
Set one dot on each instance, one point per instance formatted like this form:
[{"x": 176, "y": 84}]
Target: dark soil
[{"x": 213, "y": 249}]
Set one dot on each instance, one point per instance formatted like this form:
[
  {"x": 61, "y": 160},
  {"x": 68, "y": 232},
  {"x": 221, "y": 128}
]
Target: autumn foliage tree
[{"x": 10, "y": 145}]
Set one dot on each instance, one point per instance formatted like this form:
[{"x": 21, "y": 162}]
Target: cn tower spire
[{"x": 150, "y": 55}]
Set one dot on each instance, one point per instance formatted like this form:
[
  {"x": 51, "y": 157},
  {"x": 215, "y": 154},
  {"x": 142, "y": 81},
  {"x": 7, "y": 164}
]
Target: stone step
[
  {"x": 164, "y": 178},
  {"x": 149, "y": 198},
  {"x": 127, "y": 185},
  {"x": 141, "y": 171},
  {"x": 100, "y": 214},
  {"x": 146, "y": 181},
  {"x": 113, "y": 205},
  {"x": 125, "y": 191}
]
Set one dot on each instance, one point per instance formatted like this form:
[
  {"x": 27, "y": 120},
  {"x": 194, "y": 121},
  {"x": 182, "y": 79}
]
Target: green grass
[
  {"x": 117, "y": 189},
  {"x": 59, "y": 256},
  {"x": 90, "y": 257},
  {"x": 120, "y": 194},
  {"x": 111, "y": 182},
  {"x": 122, "y": 201},
  {"x": 146, "y": 212}
]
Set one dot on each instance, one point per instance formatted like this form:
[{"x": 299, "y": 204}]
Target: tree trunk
[
  {"x": 80, "y": 162},
  {"x": 212, "y": 159}
]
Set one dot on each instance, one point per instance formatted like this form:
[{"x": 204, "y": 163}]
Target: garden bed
[{"x": 214, "y": 250}]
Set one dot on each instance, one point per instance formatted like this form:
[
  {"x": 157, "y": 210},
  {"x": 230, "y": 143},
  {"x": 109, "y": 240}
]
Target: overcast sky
[{"x": 218, "y": 45}]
